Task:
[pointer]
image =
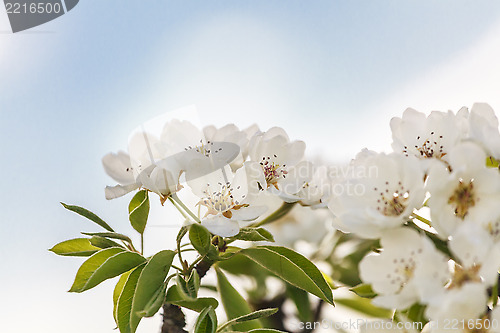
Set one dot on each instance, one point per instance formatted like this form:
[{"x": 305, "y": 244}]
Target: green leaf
[
  {"x": 124, "y": 308},
  {"x": 117, "y": 292},
  {"x": 251, "y": 316},
  {"x": 104, "y": 265},
  {"x": 364, "y": 306},
  {"x": 112, "y": 235},
  {"x": 78, "y": 247},
  {"x": 234, "y": 304},
  {"x": 364, "y": 290},
  {"x": 292, "y": 267},
  {"x": 209, "y": 287},
  {"x": 183, "y": 289},
  {"x": 301, "y": 299},
  {"x": 152, "y": 277},
  {"x": 200, "y": 238},
  {"x": 198, "y": 305},
  {"x": 182, "y": 232},
  {"x": 193, "y": 283},
  {"x": 242, "y": 265},
  {"x": 254, "y": 234},
  {"x": 154, "y": 303},
  {"x": 139, "y": 210},
  {"x": 88, "y": 214},
  {"x": 415, "y": 313},
  {"x": 206, "y": 322},
  {"x": 104, "y": 243},
  {"x": 213, "y": 253}
]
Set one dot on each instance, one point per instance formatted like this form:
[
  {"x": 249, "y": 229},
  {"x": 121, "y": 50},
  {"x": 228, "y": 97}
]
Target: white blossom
[
  {"x": 470, "y": 190},
  {"x": 468, "y": 302},
  {"x": 424, "y": 137},
  {"x": 284, "y": 171},
  {"x": 392, "y": 273},
  {"x": 231, "y": 133},
  {"x": 478, "y": 254},
  {"x": 156, "y": 162},
  {"x": 227, "y": 198},
  {"x": 317, "y": 191},
  {"x": 380, "y": 192},
  {"x": 197, "y": 156},
  {"x": 483, "y": 128},
  {"x": 151, "y": 167},
  {"x": 464, "y": 297}
]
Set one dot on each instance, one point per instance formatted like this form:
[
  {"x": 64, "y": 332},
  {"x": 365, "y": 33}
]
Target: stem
[
  {"x": 184, "y": 207},
  {"x": 181, "y": 234},
  {"x": 421, "y": 219},
  {"x": 279, "y": 213},
  {"x": 494, "y": 294},
  {"x": 142, "y": 243},
  {"x": 188, "y": 250},
  {"x": 173, "y": 317},
  {"x": 176, "y": 205},
  {"x": 194, "y": 263},
  {"x": 177, "y": 268},
  {"x": 170, "y": 277}
]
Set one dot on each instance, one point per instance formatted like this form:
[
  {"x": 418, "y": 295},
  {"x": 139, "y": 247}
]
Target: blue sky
[{"x": 330, "y": 72}]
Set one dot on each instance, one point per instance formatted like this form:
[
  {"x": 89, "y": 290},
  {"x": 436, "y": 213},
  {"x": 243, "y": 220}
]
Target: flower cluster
[
  {"x": 233, "y": 172},
  {"x": 445, "y": 166},
  {"x": 413, "y": 233}
]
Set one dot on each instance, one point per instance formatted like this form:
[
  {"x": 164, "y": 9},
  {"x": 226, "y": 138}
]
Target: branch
[{"x": 173, "y": 319}]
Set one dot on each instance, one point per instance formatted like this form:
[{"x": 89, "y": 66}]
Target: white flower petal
[
  {"x": 211, "y": 181},
  {"x": 465, "y": 303},
  {"x": 113, "y": 192},
  {"x": 470, "y": 174},
  {"x": 145, "y": 150},
  {"x": 471, "y": 244},
  {"x": 177, "y": 135},
  {"x": 297, "y": 176},
  {"x": 221, "y": 226},
  {"x": 119, "y": 167},
  {"x": 249, "y": 213},
  {"x": 429, "y": 137},
  {"x": 484, "y": 128},
  {"x": 379, "y": 193}
]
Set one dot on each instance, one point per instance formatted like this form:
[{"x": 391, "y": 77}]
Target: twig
[{"x": 317, "y": 315}]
